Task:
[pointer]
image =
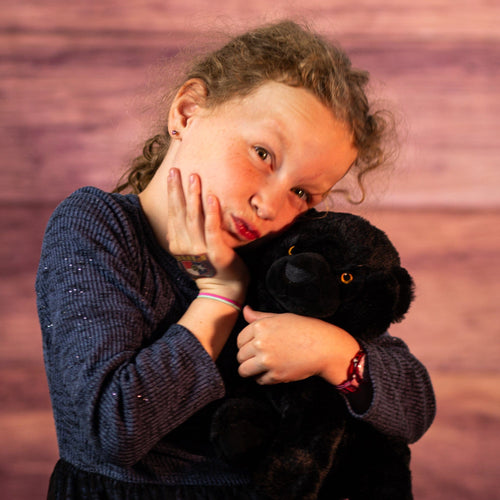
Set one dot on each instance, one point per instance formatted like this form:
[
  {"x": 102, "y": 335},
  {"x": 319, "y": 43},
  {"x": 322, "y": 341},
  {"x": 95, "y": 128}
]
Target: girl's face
[{"x": 267, "y": 157}]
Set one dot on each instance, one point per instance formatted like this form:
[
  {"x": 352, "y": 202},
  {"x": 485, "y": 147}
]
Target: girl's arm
[
  {"x": 194, "y": 228},
  {"x": 397, "y": 399},
  {"x": 122, "y": 372},
  {"x": 402, "y": 397}
]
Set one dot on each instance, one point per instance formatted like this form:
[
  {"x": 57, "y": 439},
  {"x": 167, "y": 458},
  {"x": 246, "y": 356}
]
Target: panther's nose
[{"x": 297, "y": 274}]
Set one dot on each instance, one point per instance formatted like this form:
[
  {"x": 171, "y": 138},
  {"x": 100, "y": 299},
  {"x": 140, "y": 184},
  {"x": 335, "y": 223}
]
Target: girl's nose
[{"x": 267, "y": 203}]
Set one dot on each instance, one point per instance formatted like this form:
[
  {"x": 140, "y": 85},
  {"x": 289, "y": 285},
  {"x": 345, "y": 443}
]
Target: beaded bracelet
[
  {"x": 219, "y": 298},
  {"x": 354, "y": 374}
]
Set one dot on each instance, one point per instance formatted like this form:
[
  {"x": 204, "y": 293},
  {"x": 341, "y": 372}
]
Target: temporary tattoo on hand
[{"x": 198, "y": 266}]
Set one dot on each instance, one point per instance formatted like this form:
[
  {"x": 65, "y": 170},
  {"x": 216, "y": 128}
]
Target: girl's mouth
[{"x": 244, "y": 231}]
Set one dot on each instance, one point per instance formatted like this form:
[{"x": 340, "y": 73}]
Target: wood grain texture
[
  {"x": 71, "y": 74},
  {"x": 78, "y": 94}
]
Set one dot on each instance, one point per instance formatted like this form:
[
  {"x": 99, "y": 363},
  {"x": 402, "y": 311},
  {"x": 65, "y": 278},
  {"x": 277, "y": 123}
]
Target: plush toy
[{"x": 299, "y": 439}]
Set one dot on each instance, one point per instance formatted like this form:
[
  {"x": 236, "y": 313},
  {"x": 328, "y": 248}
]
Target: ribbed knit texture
[{"x": 123, "y": 376}]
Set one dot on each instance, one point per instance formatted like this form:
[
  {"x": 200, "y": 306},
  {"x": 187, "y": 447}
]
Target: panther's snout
[{"x": 297, "y": 274}]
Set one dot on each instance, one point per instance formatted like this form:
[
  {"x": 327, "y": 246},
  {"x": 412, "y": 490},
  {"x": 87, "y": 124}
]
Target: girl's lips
[{"x": 245, "y": 231}]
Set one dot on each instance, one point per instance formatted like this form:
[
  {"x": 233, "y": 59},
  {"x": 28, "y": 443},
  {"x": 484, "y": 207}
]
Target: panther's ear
[{"x": 406, "y": 292}]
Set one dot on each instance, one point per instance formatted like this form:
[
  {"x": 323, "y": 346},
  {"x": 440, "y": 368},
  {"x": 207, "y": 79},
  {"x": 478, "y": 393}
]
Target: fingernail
[
  {"x": 192, "y": 179},
  {"x": 211, "y": 199}
]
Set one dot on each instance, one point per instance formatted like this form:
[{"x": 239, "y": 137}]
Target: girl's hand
[
  {"x": 194, "y": 229},
  {"x": 276, "y": 348}
]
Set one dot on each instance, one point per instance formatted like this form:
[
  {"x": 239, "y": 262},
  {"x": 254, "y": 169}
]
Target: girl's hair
[{"x": 287, "y": 53}]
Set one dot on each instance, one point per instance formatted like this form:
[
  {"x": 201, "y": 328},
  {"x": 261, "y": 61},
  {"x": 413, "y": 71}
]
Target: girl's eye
[
  {"x": 262, "y": 153},
  {"x": 302, "y": 194}
]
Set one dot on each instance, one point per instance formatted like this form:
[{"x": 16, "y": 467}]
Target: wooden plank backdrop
[{"x": 75, "y": 82}]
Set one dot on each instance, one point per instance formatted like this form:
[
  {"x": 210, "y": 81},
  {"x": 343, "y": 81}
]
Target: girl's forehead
[
  {"x": 275, "y": 94},
  {"x": 297, "y": 129},
  {"x": 269, "y": 95},
  {"x": 289, "y": 112}
]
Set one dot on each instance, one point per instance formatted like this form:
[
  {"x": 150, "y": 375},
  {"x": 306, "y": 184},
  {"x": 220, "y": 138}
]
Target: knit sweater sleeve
[
  {"x": 403, "y": 403},
  {"x": 120, "y": 377}
]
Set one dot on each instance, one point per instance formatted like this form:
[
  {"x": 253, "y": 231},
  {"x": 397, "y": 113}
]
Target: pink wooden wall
[{"x": 74, "y": 81}]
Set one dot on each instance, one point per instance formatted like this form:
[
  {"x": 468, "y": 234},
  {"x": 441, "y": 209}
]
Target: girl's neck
[{"x": 154, "y": 203}]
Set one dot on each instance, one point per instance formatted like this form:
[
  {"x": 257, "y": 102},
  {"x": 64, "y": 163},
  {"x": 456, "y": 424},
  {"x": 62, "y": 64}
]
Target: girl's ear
[{"x": 190, "y": 98}]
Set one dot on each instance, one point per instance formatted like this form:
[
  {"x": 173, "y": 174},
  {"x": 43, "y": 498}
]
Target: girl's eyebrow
[
  {"x": 274, "y": 129},
  {"x": 323, "y": 194},
  {"x": 326, "y": 193}
]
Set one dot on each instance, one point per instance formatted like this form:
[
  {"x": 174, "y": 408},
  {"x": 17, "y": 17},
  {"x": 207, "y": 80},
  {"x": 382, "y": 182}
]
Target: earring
[{"x": 174, "y": 132}]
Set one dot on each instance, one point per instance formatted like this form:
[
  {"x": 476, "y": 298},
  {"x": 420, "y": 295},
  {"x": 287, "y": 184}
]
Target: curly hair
[{"x": 288, "y": 53}]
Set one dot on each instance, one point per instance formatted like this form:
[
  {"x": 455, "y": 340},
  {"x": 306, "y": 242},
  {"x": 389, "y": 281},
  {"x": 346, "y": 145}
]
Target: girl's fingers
[
  {"x": 256, "y": 328},
  {"x": 194, "y": 229},
  {"x": 250, "y": 368},
  {"x": 251, "y": 315},
  {"x": 217, "y": 249},
  {"x": 176, "y": 199},
  {"x": 212, "y": 221},
  {"x": 245, "y": 353},
  {"x": 195, "y": 219},
  {"x": 176, "y": 211},
  {"x": 189, "y": 224},
  {"x": 185, "y": 224}
]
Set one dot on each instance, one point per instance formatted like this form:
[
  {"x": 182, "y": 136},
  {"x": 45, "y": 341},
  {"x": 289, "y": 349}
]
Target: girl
[{"x": 138, "y": 293}]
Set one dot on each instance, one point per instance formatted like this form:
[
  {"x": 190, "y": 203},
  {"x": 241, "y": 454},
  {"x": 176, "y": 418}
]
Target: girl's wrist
[
  {"x": 233, "y": 291},
  {"x": 355, "y": 374},
  {"x": 222, "y": 299},
  {"x": 340, "y": 356}
]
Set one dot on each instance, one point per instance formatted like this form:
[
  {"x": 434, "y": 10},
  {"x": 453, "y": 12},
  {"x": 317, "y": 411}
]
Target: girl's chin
[{"x": 232, "y": 241}]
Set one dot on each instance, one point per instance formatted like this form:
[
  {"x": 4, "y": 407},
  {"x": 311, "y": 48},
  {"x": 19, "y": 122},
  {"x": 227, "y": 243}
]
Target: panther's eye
[
  {"x": 290, "y": 250},
  {"x": 346, "y": 278}
]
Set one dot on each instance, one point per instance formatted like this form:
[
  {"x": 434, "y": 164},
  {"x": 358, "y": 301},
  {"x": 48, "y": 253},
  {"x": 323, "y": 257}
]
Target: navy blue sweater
[{"x": 130, "y": 388}]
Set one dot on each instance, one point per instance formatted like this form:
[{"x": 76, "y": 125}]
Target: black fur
[{"x": 298, "y": 438}]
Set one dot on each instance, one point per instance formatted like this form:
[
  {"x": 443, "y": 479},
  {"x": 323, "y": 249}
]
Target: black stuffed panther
[{"x": 298, "y": 438}]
